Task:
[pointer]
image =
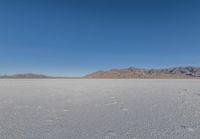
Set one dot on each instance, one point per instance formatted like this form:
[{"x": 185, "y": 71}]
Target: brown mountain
[{"x": 140, "y": 73}]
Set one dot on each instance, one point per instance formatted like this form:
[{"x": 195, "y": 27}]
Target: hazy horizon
[{"x": 73, "y": 38}]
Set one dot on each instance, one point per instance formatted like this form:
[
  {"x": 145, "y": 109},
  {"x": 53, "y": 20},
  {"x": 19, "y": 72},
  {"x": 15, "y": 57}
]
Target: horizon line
[{"x": 80, "y": 76}]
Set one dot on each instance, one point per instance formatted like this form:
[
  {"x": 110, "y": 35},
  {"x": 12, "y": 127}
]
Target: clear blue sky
[{"x": 75, "y": 37}]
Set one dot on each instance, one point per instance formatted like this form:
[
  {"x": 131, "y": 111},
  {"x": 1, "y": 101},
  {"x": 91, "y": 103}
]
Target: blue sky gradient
[{"x": 75, "y": 37}]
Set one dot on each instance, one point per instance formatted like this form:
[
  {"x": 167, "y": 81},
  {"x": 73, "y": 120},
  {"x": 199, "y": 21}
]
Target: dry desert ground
[{"x": 99, "y": 109}]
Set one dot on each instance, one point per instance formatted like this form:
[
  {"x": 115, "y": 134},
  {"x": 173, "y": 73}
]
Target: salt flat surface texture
[{"x": 99, "y": 109}]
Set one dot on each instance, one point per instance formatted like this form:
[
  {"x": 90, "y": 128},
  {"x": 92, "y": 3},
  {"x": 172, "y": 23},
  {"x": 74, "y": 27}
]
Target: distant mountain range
[
  {"x": 27, "y": 75},
  {"x": 140, "y": 73},
  {"x": 127, "y": 73},
  {"x": 33, "y": 76}
]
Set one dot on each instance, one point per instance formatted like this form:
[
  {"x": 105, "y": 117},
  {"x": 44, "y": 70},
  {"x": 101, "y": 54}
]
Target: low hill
[{"x": 24, "y": 76}]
